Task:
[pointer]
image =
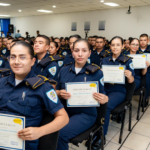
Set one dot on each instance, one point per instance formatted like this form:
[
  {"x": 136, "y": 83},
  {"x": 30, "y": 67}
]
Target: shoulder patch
[
  {"x": 52, "y": 96},
  {"x": 89, "y": 60},
  {"x": 1, "y": 62},
  {"x": 4, "y": 51},
  {"x": 60, "y": 63},
  {"x": 102, "y": 81},
  {"x": 64, "y": 53},
  {"x": 131, "y": 66},
  {"x": 52, "y": 70},
  {"x": 92, "y": 68}
]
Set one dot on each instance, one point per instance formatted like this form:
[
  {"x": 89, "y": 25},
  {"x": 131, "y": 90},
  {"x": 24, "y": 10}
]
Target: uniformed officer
[
  {"x": 5, "y": 41},
  {"x": 115, "y": 92},
  {"x": 93, "y": 43},
  {"x": 29, "y": 41},
  {"x": 1, "y": 44},
  {"x": 134, "y": 49},
  {"x": 4, "y": 72},
  {"x": 80, "y": 71},
  {"x": 100, "y": 52},
  {"x": 69, "y": 58},
  {"x": 46, "y": 68},
  {"x": 25, "y": 94},
  {"x": 145, "y": 49},
  {"x": 53, "y": 52}
]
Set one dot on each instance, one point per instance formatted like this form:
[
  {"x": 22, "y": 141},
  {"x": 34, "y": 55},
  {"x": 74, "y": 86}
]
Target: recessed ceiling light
[
  {"x": 111, "y": 4},
  {"x": 4, "y": 4},
  {"x": 20, "y": 10},
  {"x": 46, "y": 11},
  {"x": 54, "y": 6},
  {"x": 102, "y": 1},
  {"x": 4, "y": 15}
]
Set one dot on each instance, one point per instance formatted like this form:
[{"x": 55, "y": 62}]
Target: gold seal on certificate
[
  {"x": 82, "y": 94},
  {"x": 114, "y": 74},
  {"x": 148, "y": 56},
  {"x": 9, "y": 127},
  {"x": 139, "y": 61}
]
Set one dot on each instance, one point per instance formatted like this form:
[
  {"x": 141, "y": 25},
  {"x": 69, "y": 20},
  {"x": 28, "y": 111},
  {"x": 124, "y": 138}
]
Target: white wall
[{"x": 117, "y": 23}]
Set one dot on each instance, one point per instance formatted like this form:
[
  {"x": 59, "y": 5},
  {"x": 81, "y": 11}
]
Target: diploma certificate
[
  {"x": 139, "y": 61},
  {"x": 9, "y": 126},
  {"x": 148, "y": 56},
  {"x": 82, "y": 94},
  {"x": 114, "y": 74}
]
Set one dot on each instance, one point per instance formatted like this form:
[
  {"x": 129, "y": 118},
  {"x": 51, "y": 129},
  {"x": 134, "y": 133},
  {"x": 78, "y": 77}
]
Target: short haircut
[
  {"x": 100, "y": 37},
  {"x": 30, "y": 41},
  {"x": 56, "y": 38},
  {"x": 1, "y": 39},
  {"x": 27, "y": 45},
  {"x": 81, "y": 40},
  {"x": 144, "y": 35},
  {"x": 18, "y": 30},
  {"x": 75, "y": 36},
  {"x": 15, "y": 41},
  {"x": 95, "y": 36},
  {"x": 10, "y": 38},
  {"x": 46, "y": 39}
]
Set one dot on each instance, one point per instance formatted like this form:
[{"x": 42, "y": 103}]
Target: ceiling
[{"x": 30, "y": 7}]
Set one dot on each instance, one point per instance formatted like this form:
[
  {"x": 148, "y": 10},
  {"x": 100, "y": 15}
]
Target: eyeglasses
[
  {"x": 135, "y": 45},
  {"x": 20, "y": 58}
]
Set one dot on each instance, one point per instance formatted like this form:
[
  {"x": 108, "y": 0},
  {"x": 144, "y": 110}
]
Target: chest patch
[
  {"x": 64, "y": 53},
  {"x": 52, "y": 70},
  {"x": 4, "y": 51},
  {"x": 102, "y": 81},
  {"x": 52, "y": 96},
  {"x": 1, "y": 62},
  {"x": 131, "y": 66},
  {"x": 88, "y": 60},
  {"x": 60, "y": 63}
]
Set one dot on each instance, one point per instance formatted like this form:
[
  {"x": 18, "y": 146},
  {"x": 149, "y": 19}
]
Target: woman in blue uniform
[
  {"x": 115, "y": 92},
  {"x": 81, "y": 118},
  {"x": 53, "y": 52},
  {"x": 24, "y": 94},
  {"x": 134, "y": 49}
]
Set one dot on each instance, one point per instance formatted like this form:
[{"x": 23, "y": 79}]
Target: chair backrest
[
  {"x": 101, "y": 112},
  {"x": 130, "y": 87},
  {"x": 48, "y": 142}
]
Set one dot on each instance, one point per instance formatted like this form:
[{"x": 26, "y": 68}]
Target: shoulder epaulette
[
  {"x": 5, "y": 72},
  {"x": 92, "y": 68},
  {"x": 140, "y": 52},
  {"x": 38, "y": 81},
  {"x": 58, "y": 57},
  {"x": 124, "y": 58},
  {"x": 68, "y": 64},
  {"x": 106, "y": 53},
  {"x": 46, "y": 61},
  {"x": 3, "y": 57}
]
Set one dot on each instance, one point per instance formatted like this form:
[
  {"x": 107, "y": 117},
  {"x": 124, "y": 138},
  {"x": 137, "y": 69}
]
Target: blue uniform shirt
[
  {"x": 68, "y": 59},
  {"x": 121, "y": 60},
  {"x": 50, "y": 70},
  {"x": 64, "y": 51},
  {"x": 5, "y": 52},
  {"x": 32, "y": 105},
  {"x": 68, "y": 74}
]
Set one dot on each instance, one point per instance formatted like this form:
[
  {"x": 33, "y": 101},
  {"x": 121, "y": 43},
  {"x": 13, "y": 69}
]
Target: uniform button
[{"x": 9, "y": 101}]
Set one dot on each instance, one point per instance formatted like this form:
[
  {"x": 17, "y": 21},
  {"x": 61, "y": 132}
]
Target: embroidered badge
[
  {"x": 4, "y": 51},
  {"x": 88, "y": 60},
  {"x": 52, "y": 96},
  {"x": 60, "y": 63},
  {"x": 64, "y": 53},
  {"x": 102, "y": 81},
  {"x": 1, "y": 62},
  {"x": 131, "y": 66},
  {"x": 52, "y": 70}
]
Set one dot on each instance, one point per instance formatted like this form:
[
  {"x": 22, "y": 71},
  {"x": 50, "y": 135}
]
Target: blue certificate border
[
  {"x": 23, "y": 142},
  {"x": 138, "y": 55},
  {"x": 96, "y": 82},
  {"x": 116, "y": 67}
]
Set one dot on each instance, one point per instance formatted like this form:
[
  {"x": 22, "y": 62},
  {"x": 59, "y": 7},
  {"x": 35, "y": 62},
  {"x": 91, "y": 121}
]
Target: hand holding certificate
[
  {"x": 114, "y": 74},
  {"x": 139, "y": 61},
  {"x": 9, "y": 127},
  {"x": 82, "y": 94}
]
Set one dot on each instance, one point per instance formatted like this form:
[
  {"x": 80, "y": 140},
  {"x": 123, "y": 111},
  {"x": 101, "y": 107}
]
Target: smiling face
[
  {"x": 116, "y": 46},
  {"x": 81, "y": 52},
  {"x": 20, "y": 60},
  {"x": 134, "y": 45}
]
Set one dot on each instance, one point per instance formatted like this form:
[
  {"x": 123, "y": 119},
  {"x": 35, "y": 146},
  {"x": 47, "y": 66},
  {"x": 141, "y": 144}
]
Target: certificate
[
  {"x": 139, "y": 61},
  {"x": 82, "y": 94},
  {"x": 9, "y": 126},
  {"x": 114, "y": 74},
  {"x": 148, "y": 56}
]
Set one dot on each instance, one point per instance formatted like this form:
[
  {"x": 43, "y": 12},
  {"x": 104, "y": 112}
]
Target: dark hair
[
  {"x": 27, "y": 45},
  {"x": 66, "y": 38},
  {"x": 15, "y": 41},
  {"x": 18, "y": 30},
  {"x": 55, "y": 43},
  {"x": 30, "y": 41},
  {"x": 10, "y": 38},
  {"x": 81, "y": 40},
  {"x": 75, "y": 36},
  {"x": 144, "y": 35},
  {"x": 56, "y": 39},
  {"x": 95, "y": 36},
  {"x": 61, "y": 39},
  {"x": 1, "y": 39},
  {"x": 52, "y": 38},
  {"x": 133, "y": 40},
  {"x": 117, "y": 37},
  {"x": 46, "y": 38},
  {"x": 27, "y": 32},
  {"x": 100, "y": 37}
]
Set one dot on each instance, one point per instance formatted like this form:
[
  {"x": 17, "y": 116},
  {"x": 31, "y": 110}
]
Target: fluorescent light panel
[
  {"x": 4, "y": 4},
  {"x": 46, "y": 11},
  {"x": 4, "y": 15},
  {"x": 111, "y": 4},
  {"x": 54, "y": 6}
]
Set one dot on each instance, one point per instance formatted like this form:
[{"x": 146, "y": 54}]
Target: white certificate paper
[
  {"x": 82, "y": 94},
  {"x": 139, "y": 61},
  {"x": 148, "y": 56},
  {"x": 9, "y": 126},
  {"x": 114, "y": 74}
]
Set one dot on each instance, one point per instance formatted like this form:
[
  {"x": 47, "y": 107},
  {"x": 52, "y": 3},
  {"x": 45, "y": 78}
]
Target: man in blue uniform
[
  {"x": 100, "y": 52},
  {"x": 49, "y": 69},
  {"x": 145, "y": 49},
  {"x": 93, "y": 43}
]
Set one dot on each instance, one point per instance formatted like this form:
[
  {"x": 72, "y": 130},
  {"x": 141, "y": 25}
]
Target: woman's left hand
[
  {"x": 128, "y": 73},
  {"x": 101, "y": 98},
  {"x": 147, "y": 64}
]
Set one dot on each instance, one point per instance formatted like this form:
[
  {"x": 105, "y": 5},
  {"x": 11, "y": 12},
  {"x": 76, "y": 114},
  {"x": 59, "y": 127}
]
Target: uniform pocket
[{"x": 28, "y": 106}]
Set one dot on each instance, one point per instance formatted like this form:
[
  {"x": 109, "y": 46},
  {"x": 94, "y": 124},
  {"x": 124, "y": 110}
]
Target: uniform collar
[
  {"x": 72, "y": 68},
  {"x": 11, "y": 78},
  {"x": 119, "y": 57},
  {"x": 146, "y": 50},
  {"x": 46, "y": 55},
  {"x": 103, "y": 50}
]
